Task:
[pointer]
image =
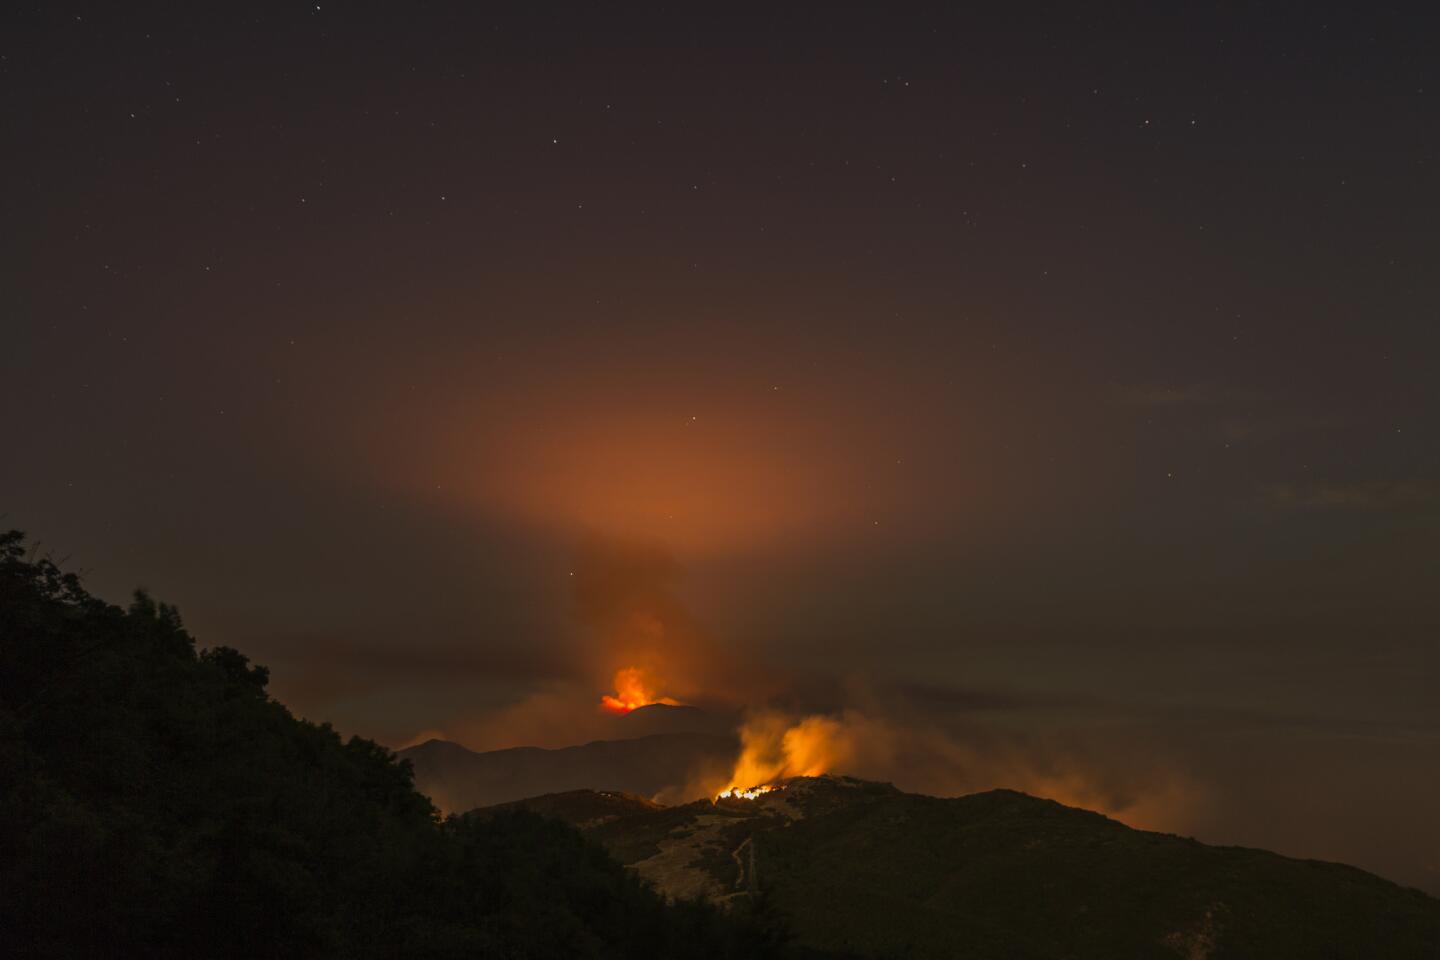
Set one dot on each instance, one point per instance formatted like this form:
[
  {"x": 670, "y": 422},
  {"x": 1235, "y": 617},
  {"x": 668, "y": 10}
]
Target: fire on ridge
[
  {"x": 750, "y": 793},
  {"x": 633, "y": 691}
]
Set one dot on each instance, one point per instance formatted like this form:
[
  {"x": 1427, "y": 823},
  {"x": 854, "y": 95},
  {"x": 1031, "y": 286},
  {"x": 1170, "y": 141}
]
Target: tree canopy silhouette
[{"x": 156, "y": 801}]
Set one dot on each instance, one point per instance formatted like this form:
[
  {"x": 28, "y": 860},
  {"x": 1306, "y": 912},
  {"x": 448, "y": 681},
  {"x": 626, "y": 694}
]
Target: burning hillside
[{"x": 749, "y": 793}]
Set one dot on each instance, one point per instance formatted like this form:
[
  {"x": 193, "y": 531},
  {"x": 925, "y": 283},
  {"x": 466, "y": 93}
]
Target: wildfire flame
[
  {"x": 748, "y": 794},
  {"x": 633, "y": 691},
  {"x": 774, "y": 747}
]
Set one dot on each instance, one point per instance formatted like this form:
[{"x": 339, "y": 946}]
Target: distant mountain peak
[{"x": 669, "y": 718}]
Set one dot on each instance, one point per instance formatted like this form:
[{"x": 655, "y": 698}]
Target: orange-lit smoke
[
  {"x": 1142, "y": 791},
  {"x": 773, "y": 747},
  {"x": 633, "y": 690}
]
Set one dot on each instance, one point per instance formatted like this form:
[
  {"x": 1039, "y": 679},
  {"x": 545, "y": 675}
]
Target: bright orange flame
[
  {"x": 774, "y": 748},
  {"x": 632, "y": 691},
  {"x": 750, "y": 794}
]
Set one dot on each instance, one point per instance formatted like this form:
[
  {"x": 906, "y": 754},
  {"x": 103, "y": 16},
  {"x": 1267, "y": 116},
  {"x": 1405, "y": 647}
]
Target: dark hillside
[
  {"x": 1003, "y": 874},
  {"x": 582, "y": 808},
  {"x": 156, "y": 802},
  {"x": 864, "y": 868}
]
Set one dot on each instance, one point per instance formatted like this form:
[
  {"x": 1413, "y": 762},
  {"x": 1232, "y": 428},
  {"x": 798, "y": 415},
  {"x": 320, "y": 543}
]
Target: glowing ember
[
  {"x": 750, "y": 794},
  {"x": 633, "y": 691}
]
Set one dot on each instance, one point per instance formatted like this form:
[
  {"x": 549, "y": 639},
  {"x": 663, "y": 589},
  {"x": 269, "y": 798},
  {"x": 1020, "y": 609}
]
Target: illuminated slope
[{"x": 863, "y": 867}]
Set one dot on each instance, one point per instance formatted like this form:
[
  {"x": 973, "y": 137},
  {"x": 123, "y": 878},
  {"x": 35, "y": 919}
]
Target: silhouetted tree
[{"x": 155, "y": 801}]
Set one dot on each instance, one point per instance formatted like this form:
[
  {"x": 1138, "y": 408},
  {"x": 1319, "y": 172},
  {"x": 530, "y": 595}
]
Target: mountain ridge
[
  {"x": 862, "y": 867},
  {"x": 457, "y": 779}
]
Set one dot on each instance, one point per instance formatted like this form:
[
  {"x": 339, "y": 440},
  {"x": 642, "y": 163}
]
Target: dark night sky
[{"x": 1053, "y": 388}]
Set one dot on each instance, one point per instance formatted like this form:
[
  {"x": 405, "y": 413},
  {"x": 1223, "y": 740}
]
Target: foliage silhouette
[{"x": 155, "y": 801}]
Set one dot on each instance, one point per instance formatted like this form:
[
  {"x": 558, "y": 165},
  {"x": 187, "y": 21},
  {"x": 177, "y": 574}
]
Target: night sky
[{"x": 1050, "y": 392}]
